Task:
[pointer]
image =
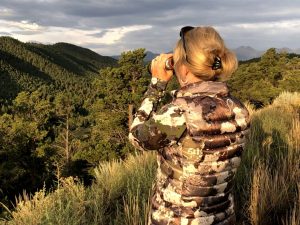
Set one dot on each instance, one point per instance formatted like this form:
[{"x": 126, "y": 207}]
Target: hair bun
[{"x": 217, "y": 63}]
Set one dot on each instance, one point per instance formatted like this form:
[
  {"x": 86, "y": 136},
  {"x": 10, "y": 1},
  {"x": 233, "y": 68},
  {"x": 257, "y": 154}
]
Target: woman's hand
[{"x": 158, "y": 69}]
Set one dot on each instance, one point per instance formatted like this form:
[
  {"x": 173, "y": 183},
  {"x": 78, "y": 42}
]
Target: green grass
[{"x": 266, "y": 190}]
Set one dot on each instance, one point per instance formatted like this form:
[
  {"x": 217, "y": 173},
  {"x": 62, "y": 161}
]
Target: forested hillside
[
  {"x": 262, "y": 79},
  {"x": 62, "y": 66}
]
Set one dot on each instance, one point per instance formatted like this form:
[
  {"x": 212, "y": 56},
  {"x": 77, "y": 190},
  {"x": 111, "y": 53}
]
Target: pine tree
[{"x": 119, "y": 92}]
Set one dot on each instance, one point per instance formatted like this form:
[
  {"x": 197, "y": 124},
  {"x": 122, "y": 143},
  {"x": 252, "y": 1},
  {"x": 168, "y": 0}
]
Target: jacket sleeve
[{"x": 153, "y": 130}]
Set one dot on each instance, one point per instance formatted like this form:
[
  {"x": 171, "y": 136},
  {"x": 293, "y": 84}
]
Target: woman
[{"x": 199, "y": 136}]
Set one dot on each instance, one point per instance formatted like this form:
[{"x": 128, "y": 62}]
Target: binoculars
[{"x": 169, "y": 65}]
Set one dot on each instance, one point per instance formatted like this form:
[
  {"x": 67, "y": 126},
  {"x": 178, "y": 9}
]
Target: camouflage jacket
[{"x": 199, "y": 137}]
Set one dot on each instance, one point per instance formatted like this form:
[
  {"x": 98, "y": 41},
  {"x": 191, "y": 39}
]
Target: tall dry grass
[
  {"x": 119, "y": 195},
  {"x": 293, "y": 218},
  {"x": 267, "y": 187},
  {"x": 268, "y": 181}
]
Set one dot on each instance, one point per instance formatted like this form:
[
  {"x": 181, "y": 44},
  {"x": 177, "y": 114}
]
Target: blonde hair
[{"x": 203, "y": 45}]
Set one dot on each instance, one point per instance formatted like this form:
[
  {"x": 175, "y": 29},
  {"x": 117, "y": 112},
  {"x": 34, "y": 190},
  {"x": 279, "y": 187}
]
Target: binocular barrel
[{"x": 169, "y": 65}]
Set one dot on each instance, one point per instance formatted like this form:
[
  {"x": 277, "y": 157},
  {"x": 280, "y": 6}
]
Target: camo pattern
[{"x": 199, "y": 137}]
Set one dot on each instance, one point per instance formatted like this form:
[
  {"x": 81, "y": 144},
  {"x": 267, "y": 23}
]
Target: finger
[
  {"x": 154, "y": 61},
  {"x": 170, "y": 73},
  {"x": 164, "y": 57},
  {"x": 159, "y": 58},
  {"x": 159, "y": 62}
]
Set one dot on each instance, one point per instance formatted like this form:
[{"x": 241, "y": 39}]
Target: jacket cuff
[{"x": 156, "y": 88}]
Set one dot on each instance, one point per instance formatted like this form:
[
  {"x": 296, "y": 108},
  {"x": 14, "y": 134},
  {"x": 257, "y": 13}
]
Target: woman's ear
[
  {"x": 181, "y": 71},
  {"x": 182, "y": 74}
]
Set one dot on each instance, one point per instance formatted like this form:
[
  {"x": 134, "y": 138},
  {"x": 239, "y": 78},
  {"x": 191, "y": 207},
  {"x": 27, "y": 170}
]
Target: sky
[{"x": 110, "y": 27}]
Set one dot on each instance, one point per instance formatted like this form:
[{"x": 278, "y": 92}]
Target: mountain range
[
  {"x": 243, "y": 53},
  {"x": 246, "y": 52},
  {"x": 64, "y": 66}
]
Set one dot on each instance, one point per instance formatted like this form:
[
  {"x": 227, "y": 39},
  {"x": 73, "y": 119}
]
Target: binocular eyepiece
[{"x": 169, "y": 65}]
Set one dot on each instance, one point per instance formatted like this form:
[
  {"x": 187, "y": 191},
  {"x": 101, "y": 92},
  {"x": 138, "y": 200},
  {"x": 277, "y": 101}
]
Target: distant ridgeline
[{"x": 62, "y": 66}]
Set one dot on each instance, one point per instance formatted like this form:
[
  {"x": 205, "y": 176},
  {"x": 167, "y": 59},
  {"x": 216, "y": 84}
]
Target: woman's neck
[{"x": 189, "y": 79}]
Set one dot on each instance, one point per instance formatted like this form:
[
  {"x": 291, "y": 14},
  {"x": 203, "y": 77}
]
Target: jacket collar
[{"x": 203, "y": 87}]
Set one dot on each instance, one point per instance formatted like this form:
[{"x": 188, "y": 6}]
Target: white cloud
[
  {"x": 113, "y": 35},
  {"x": 24, "y": 25},
  {"x": 27, "y": 32},
  {"x": 285, "y": 24},
  {"x": 5, "y": 12}
]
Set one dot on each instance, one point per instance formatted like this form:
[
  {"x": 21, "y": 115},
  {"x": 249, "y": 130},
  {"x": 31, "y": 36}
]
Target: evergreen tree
[
  {"x": 260, "y": 81},
  {"x": 119, "y": 92}
]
